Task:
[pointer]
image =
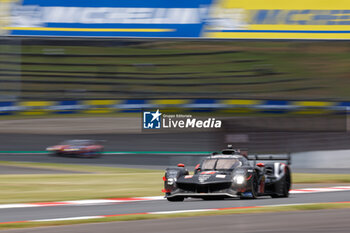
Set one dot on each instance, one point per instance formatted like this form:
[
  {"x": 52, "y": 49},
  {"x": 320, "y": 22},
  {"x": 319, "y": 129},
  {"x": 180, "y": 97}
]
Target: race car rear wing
[{"x": 286, "y": 158}]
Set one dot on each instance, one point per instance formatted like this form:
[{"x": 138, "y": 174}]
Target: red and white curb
[
  {"x": 154, "y": 198},
  {"x": 164, "y": 212},
  {"x": 81, "y": 202},
  {"x": 320, "y": 190}
]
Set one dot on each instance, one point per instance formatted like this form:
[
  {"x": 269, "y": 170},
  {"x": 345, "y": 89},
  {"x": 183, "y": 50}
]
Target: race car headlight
[
  {"x": 53, "y": 148},
  {"x": 239, "y": 179},
  {"x": 171, "y": 181}
]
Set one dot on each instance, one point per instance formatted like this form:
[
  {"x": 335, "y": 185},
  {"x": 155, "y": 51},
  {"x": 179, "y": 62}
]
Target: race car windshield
[
  {"x": 209, "y": 164},
  {"x": 221, "y": 164},
  {"x": 76, "y": 142},
  {"x": 226, "y": 164}
]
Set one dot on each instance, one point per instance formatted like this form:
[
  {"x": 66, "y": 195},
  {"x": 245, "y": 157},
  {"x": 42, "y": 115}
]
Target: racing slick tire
[
  {"x": 254, "y": 189},
  {"x": 283, "y": 187},
  {"x": 175, "y": 199},
  {"x": 55, "y": 154}
]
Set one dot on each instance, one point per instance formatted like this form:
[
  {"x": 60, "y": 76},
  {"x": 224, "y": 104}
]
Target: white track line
[
  {"x": 82, "y": 202},
  {"x": 180, "y": 211},
  {"x": 66, "y": 219}
]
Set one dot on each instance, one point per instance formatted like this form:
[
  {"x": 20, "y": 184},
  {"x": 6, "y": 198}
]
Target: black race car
[{"x": 230, "y": 174}]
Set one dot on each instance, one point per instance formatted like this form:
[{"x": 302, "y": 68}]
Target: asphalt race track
[
  {"x": 144, "y": 161},
  {"x": 321, "y": 221},
  {"x": 37, "y": 213},
  {"x": 203, "y": 141},
  {"x": 28, "y": 170}
]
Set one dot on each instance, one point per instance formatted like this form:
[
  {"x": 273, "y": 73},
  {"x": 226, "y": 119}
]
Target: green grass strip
[{"x": 95, "y": 182}]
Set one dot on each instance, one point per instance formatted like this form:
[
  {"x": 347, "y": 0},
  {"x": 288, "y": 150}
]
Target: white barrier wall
[{"x": 322, "y": 159}]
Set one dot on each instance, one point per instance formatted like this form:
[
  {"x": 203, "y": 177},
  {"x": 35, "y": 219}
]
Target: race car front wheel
[{"x": 254, "y": 186}]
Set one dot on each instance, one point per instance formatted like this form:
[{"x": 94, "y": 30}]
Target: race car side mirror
[
  {"x": 181, "y": 165},
  {"x": 260, "y": 164},
  {"x": 197, "y": 168}
]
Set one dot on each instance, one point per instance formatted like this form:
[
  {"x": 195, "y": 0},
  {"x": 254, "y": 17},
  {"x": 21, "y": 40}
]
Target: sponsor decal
[
  {"x": 203, "y": 178},
  {"x": 189, "y": 176},
  {"x": 33, "y": 15},
  {"x": 101, "y": 18},
  {"x": 234, "y": 19},
  {"x": 186, "y": 19},
  {"x": 299, "y": 17},
  {"x": 172, "y": 173},
  {"x": 220, "y": 176},
  {"x": 278, "y": 20}
]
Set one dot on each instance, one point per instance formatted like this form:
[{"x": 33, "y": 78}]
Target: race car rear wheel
[
  {"x": 284, "y": 187},
  {"x": 90, "y": 155},
  {"x": 55, "y": 154},
  {"x": 175, "y": 199}
]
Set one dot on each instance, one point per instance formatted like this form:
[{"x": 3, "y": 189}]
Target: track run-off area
[{"x": 102, "y": 208}]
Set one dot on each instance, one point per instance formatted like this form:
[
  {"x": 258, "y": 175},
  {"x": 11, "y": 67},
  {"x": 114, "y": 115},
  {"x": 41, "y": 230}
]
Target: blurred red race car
[{"x": 79, "y": 148}]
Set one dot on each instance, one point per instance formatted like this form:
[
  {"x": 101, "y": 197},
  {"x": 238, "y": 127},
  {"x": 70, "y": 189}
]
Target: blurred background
[
  {"x": 78, "y": 70},
  {"x": 118, "y": 69},
  {"x": 276, "y": 73}
]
